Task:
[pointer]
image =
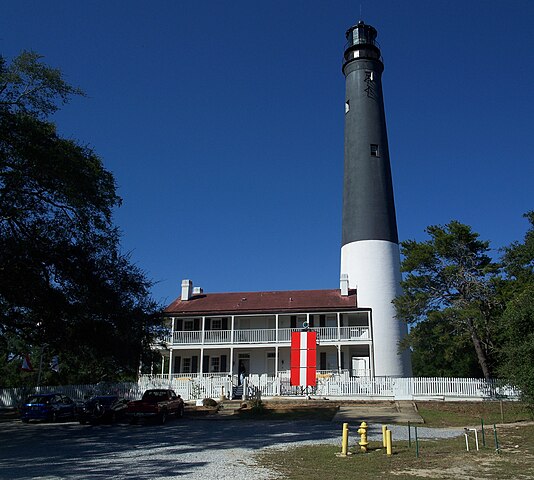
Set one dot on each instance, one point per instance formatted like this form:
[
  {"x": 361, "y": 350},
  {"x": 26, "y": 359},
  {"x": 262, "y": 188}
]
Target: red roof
[{"x": 264, "y": 302}]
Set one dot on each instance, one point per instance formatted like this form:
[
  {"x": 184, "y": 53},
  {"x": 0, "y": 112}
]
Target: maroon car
[{"x": 158, "y": 404}]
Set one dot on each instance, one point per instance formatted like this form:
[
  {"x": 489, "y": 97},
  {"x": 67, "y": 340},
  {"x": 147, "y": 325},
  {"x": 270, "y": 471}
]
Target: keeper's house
[{"x": 223, "y": 333}]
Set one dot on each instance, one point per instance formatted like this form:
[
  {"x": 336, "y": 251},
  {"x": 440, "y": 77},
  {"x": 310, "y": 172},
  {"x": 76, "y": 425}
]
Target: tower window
[
  {"x": 374, "y": 150},
  {"x": 347, "y": 106}
]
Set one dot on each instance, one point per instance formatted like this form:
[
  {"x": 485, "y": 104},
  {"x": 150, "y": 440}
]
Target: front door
[
  {"x": 243, "y": 366},
  {"x": 360, "y": 366},
  {"x": 270, "y": 363}
]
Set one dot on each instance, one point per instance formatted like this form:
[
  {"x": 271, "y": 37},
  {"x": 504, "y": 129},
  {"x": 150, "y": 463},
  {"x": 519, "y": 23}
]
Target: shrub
[{"x": 209, "y": 402}]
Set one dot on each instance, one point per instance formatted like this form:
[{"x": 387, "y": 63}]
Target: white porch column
[
  {"x": 338, "y": 327},
  {"x": 372, "y": 360},
  {"x": 163, "y": 364},
  {"x": 173, "y": 324},
  {"x": 231, "y": 361},
  {"x": 276, "y": 360},
  {"x": 276, "y": 332},
  {"x": 232, "y": 329},
  {"x": 171, "y": 363},
  {"x": 203, "y": 326},
  {"x": 339, "y": 357}
]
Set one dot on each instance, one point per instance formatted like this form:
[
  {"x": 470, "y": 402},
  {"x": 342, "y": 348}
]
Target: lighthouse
[{"x": 370, "y": 256}]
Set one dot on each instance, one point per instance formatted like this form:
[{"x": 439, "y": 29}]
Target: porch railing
[{"x": 267, "y": 335}]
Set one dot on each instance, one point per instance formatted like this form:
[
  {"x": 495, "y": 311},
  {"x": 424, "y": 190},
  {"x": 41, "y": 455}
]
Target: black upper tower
[{"x": 368, "y": 204}]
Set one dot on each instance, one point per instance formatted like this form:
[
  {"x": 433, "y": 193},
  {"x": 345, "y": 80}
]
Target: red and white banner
[
  {"x": 303, "y": 359},
  {"x": 26, "y": 364}
]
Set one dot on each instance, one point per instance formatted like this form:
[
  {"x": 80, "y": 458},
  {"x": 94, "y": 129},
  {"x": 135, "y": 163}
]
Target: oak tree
[
  {"x": 452, "y": 278},
  {"x": 65, "y": 287}
]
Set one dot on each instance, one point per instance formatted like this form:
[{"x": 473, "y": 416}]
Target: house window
[
  {"x": 216, "y": 324},
  {"x": 374, "y": 150},
  {"x": 188, "y": 325},
  {"x": 215, "y": 364},
  {"x": 186, "y": 365}
]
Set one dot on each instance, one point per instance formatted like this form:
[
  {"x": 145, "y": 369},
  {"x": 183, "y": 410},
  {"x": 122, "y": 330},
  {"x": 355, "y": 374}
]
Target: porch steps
[
  {"x": 229, "y": 408},
  {"x": 237, "y": 392}
]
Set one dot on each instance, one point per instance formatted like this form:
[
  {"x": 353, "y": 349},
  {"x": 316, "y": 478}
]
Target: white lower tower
[{"x": 370, "y": 248}]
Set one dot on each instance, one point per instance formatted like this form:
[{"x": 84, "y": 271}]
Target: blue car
[{"x": 48, "y": 406}]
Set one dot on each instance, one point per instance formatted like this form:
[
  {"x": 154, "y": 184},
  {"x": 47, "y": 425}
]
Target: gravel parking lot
[{"x": 187, "y": 448}]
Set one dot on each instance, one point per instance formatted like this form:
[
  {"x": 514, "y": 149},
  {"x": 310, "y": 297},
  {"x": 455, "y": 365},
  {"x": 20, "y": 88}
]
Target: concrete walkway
[{"x": 387, "y": 412}]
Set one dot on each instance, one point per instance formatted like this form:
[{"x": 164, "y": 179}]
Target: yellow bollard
[
  {"x": 345, "y": 440},
  {"x": 363, "y": 437},
  {"x": 384, "y": 430},
  {"x": 388, "y": 442}
]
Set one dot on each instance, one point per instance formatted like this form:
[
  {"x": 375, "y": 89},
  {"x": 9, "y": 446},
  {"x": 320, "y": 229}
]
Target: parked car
[
  {"x": 101, "y": 409},
  {"x": 157, "y": 403},
  {"x": 48, "y": 406}
]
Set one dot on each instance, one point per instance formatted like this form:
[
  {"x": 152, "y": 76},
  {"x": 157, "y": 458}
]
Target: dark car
[
  {"x": 101, "y": 409},
  {"x": 48, "y": 406}
]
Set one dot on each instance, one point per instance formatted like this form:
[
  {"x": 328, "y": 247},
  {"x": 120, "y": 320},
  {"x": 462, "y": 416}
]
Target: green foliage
[
  {"x": 518, "y": 258},
  {"x": 209, "y": 402},
  {"x": 65, "y": 287},
  {"x": 517, "y": 323},
  {"x": 257, "y": 406},
  {"x": 439, "y": 350},
  {"x": 29, "y": 86},
  {"x": 518, "y": 350},
  {"x": 453, "y": 275}
]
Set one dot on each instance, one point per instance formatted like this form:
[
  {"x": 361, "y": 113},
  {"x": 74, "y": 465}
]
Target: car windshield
[
  {"x": 105, "y": 400},
  {"x": 156, "y": 396},
  {"x": 37, "y": 399}
]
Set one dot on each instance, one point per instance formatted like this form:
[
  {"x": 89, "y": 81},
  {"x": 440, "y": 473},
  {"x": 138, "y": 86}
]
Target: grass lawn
[
  {"x": 462, "y": 414},
  {"x": 438, "y": 459}
]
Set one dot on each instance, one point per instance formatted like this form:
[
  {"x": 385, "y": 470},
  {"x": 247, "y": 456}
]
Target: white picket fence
[
  {"x": 12, "y": 397},
  {"x": 343, "y": 386},
  {"x": 328, "y": 386}
]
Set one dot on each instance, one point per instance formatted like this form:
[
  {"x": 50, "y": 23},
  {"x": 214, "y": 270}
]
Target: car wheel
[
  {"x": 163, "y": 418},
  {"x": 180, "y": 412},
  {"x": 53, "y": 418},
  {"x": 98, "y": 411}
]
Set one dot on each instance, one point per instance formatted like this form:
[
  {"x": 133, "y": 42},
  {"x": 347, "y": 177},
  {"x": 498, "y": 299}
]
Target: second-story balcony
[{"x": 267, "y": 336}]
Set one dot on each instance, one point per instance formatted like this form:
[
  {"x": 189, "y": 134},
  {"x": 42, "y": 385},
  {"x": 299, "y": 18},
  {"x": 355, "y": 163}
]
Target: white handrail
[{"x": 268, "y": 335}]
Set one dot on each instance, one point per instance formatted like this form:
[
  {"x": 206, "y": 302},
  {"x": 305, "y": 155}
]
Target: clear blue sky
[{"x": 223, "y": 124}]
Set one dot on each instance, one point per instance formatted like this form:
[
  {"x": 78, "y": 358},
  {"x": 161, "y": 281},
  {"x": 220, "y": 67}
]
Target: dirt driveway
[{"x": 188, "y": 448}]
